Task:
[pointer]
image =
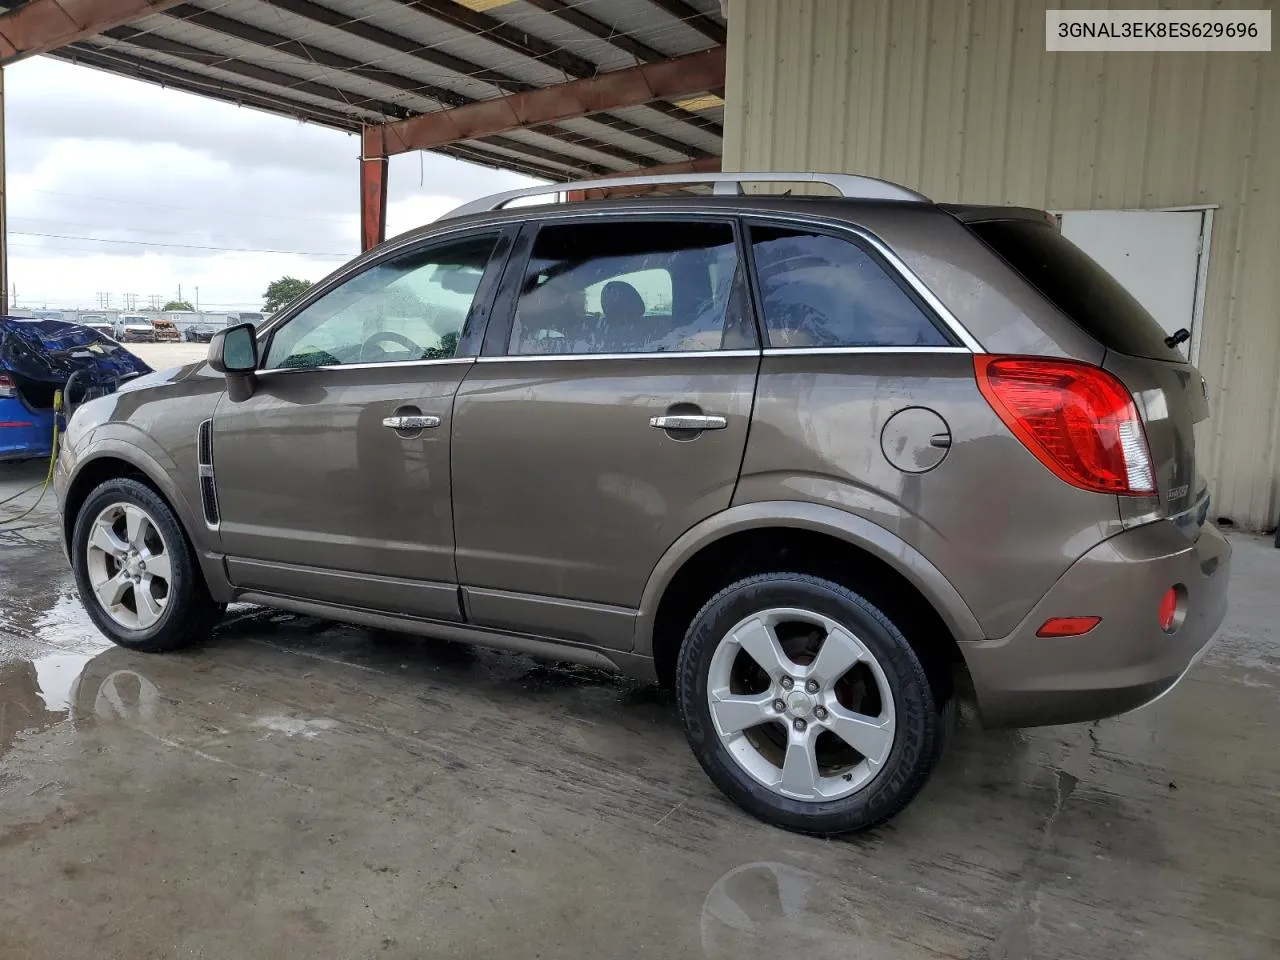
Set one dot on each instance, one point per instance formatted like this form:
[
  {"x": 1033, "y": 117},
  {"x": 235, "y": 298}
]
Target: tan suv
[{"x": 806, "y": 459}]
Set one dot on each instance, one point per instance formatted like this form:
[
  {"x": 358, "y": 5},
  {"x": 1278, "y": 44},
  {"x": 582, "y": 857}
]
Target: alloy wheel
[
  {"x": 801, "y": 704},
  {"x": 129, "y": 568}
]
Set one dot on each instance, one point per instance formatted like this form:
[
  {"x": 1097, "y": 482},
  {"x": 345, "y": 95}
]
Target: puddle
[
  {"x": 36, "y": 694},
  {"x": 772, "y": 909},
  {"x": 296, "y": 726},
  {"x": 39, "y": 693}
]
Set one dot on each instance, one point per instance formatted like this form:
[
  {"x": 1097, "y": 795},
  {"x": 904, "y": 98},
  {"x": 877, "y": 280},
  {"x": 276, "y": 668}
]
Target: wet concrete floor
[{"x": 301, "y": 789}]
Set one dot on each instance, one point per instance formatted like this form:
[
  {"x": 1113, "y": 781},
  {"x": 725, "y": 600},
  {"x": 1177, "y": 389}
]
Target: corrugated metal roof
[{"x": 345, "y": 63}]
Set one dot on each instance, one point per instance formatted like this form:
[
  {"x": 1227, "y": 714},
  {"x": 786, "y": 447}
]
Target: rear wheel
[
  {"x": 806, "y": 705},
  {"x": 136, "y": 572}
]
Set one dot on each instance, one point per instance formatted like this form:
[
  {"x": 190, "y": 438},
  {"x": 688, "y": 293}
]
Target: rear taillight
[
  {"x": 1078, "y": 420},
  {"x": 8, "y": 389}
]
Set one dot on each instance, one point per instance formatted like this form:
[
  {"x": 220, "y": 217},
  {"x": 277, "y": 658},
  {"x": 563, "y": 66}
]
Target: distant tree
[
  {"x": 178, "y": 305},
  {"x": 279, "y": 292}
]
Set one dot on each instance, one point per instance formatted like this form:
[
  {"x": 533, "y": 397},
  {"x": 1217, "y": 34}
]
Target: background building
[{"x": 960, "y": 101}]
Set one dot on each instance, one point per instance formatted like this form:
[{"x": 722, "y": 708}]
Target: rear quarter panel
[{"x": 997, "y": 524}]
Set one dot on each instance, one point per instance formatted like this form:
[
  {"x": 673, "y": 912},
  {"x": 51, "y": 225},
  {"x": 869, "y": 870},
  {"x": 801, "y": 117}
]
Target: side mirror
[
  {"x": 234, "y": 350},
  {"x": 234, "y": 353}
]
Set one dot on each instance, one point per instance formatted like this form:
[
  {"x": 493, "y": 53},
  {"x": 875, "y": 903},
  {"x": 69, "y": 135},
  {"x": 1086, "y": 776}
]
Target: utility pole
[{"x": 197, "y": 299}]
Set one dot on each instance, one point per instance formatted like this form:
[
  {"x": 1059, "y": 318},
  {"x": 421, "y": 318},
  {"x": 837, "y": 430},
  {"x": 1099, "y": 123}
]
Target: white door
[{"x": 1155, "y": 254}]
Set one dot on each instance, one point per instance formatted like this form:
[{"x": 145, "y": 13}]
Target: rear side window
[
  {"x": 1066, "y": 276},
  {"x": 822, "y": 291},
  {"x": 631, "y": 287}
]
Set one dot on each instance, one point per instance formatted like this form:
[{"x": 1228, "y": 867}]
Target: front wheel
[
  {"x": 806, "y": 705},
  {"x": 136, "y": 572}
]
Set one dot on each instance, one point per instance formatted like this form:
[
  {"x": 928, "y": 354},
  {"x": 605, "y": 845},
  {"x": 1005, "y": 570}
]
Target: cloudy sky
[{"x": 162, "y": 176}]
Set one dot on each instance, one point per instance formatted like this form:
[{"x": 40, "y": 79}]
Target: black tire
[
  {"x": 189, "y": 613},
  {"x": 919, "y": 726}
]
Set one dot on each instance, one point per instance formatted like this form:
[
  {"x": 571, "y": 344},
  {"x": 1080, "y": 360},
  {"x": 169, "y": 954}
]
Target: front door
[
  {"x": 333, "y": 478},
  {"x": 608, "y": 416}
]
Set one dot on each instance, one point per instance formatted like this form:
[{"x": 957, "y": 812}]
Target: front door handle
[
  {"x": 418, "y": 422},
  {"x": 689, "y": 421}
]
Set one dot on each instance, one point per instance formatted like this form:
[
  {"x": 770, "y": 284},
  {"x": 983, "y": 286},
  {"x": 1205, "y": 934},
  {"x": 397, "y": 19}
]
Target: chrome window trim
[
  {"x": 567, "y": 211},
  {"x": 803, "y": 351},
  {"x": 265, "y": 371},
  {"x": 651, "y": 355}
]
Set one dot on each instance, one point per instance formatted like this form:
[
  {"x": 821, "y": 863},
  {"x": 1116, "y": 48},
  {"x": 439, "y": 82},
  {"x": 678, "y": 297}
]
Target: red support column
[{"x": 373, "y": 189}]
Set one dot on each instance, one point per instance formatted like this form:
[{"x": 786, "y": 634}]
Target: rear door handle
[
  {"x": 419, "y": 422},
  {"x": 689, "y": 421}
]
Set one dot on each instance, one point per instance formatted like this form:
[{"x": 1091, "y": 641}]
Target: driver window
[{"x": 410, "y": 308}]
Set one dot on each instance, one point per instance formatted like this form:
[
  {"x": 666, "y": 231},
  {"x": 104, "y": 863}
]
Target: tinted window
[
  {"x": 631, "y": 287},
  {"x": 1077, "y": 286},
  {"x": 821, "y": 291},
  {"x": 410, "y": 308}
]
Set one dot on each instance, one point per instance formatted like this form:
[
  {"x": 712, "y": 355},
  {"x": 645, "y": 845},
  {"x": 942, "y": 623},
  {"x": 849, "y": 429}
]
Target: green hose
[{"x": 48, "y": 477}]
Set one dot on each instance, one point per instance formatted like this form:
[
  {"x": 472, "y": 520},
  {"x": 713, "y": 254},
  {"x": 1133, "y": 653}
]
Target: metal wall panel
[{"x": 958, "y": 99}]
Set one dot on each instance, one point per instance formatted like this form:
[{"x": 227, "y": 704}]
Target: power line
[
  {"x": 118, "y": 226},
  {"x": 180, "y": 246},
  {"x": 172, "y": 206}
]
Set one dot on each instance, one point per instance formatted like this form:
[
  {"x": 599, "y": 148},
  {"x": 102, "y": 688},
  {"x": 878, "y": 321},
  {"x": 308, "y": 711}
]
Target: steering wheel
[{"x": 389, "y": 337}]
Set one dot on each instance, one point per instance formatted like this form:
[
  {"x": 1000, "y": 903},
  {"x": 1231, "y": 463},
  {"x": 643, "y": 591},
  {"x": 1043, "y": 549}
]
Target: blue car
[{"x": 40, "y": 357}]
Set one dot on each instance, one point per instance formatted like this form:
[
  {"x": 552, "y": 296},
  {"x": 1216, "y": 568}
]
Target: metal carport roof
[{"x": 359, "y": 64}]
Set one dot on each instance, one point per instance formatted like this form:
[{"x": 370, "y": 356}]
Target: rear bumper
[
  {"x": 1127, "y": 660},
  {"x": 24, "y": 432}
]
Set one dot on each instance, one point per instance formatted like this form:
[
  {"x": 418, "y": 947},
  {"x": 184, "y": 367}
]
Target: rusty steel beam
[
  {"x": 373, "y": 201},
  {"x": 635, "y": 86},
  {"x": 569, "y": 12},
  {"x": 448, "y": 98},
  {"x": 44, "y": 25},
  {"x": 528, "y": 45}
]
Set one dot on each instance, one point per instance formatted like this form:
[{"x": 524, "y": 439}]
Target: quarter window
[
  {"x": 821, "y": 291},
  {"x": 412, "y": 307},
  {"x": 631, "y": 287}
]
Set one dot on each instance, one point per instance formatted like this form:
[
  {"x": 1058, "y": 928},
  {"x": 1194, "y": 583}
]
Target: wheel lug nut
[
  {"x": 779, "y": 706},
  {"x": 787, "y": 683},
  {"x": 820, "y": 713},
  {"x": 799, "y": 724},
  {"x": 811, "y": 686}
]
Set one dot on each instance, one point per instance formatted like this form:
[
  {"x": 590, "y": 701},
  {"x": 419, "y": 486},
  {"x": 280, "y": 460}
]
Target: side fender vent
[{"x": 208, "y": 489}]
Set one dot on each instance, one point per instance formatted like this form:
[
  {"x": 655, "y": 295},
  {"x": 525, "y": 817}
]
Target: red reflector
[
  {"x": 1067, "y": 626},
  {"x": 15, "y": 423},
  {"x": 1078, "y": 420},
  {"x": 1168, "y": 609}
]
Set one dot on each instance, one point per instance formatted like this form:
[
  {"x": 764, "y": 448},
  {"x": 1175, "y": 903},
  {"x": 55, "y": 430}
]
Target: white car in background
[{"x": 134, "y": 328}]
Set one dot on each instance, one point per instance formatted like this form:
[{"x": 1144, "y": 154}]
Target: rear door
[{"x": 607, "y": 415}]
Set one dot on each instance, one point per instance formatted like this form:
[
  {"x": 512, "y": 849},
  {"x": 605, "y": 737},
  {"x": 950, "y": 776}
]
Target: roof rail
[{"x": 848, "y": 185}]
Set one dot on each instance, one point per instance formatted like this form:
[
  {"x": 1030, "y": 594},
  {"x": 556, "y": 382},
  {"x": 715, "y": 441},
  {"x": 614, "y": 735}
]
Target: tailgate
[{"x": 1172, "y": 399}]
